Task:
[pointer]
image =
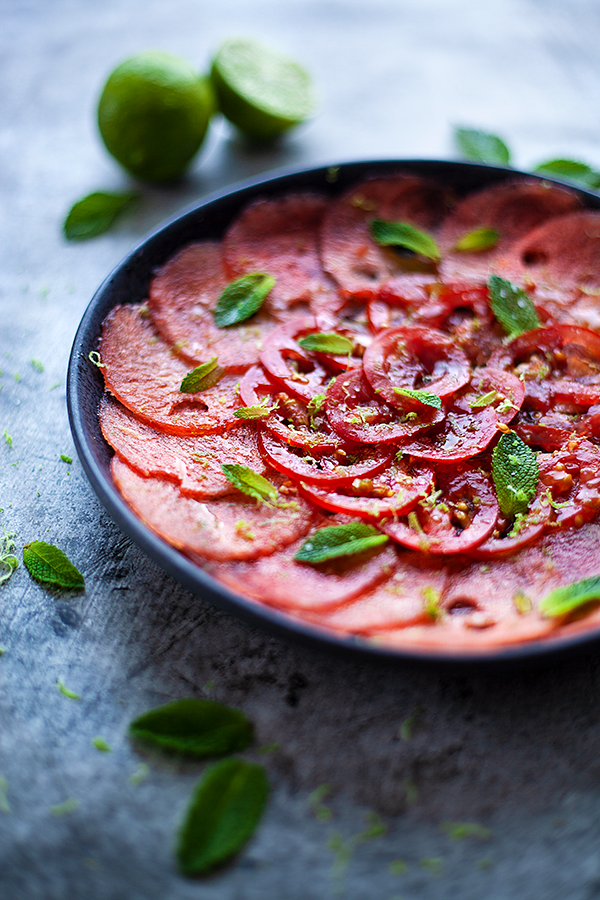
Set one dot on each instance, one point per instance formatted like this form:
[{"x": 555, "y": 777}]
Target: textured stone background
[{"x": 516, "y": 751}]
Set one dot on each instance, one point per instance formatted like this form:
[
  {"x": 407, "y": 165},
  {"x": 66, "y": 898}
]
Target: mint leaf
[
  {"x": 226, "y": 808},
  {"x": 249, "y": 482},
  {"x": 512, "y": 307},
  {"x": 260, "y": 411},
  {"x": 570, "y": 170},
  {"x": 95, "y": 214},
  {"x": 242, "y": 298},
  {"x": 202, "y": 377},
  {"x": 566, "y": 599},
  {"x": 339, "y": 540},
  {"x": 424, "y": 397},
  {"x": 482, "y": 147},
  {"x": 515, "y": 472},
  {"x": 194, "y": 728},
  {"x": 477, "y": 241},
  {"x": 484, "y": 400},
  {"x": 401, "y": 234},
  {"x": 326, "y": 343},
  {"x": 100, "y": 744},
  {"x": 49, "y": 565}
]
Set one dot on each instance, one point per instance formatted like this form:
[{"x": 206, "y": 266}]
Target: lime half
[
  {"x": 153, "y": 114},
  {"x": 261, "y": 92}
]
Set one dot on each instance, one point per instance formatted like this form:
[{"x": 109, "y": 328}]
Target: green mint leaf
[
  {"x": 484, "y": 400},
  {"x": 260, "y": 411},
  {"x": 564, "y": 600},
  {"x": 242, "y": 298},
  {"x": 512, "y": 307},
  {"x": 458, "y": 831},
  {"x": 250, "y": 483},
  {"x": 339, "y": 540},
  {"x": 95, "y": 214},
  {"x": 66, "y": 692},
  {"x": 49, "y": 565},
  {"x": 202, "y": 377},
  {"x": 570, "y": 170},
  {"x": 482, "y": 147},
  {"x": 477, "y": 241},
  {"x": 326, "y": 343},
  {"x": 515, "y": 472},
  {"x": 401, "y": 234},
  {"x": 424, "y": 397},
  {"x": 226, "y": 808},
  {"x": 65, "y": 458},
  {"x": 193, "y": 728}
]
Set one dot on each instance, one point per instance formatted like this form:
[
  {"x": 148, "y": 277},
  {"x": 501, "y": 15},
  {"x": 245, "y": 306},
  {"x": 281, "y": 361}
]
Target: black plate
[{"x": 129, "y": 283}]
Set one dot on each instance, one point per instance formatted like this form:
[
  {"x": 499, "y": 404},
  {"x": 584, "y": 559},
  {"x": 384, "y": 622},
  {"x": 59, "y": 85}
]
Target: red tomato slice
[
  {"x": 356, "y": 415},
  {"x": 462, "y": 436},
  {"x": 330, "y": 469},
  {"x": 455, "y": 522},
  {"x": 414, "y": 358},
  {"x": 573, "y": 478},
  {"x": 484, "y": 382},
  {"x": 395, "y": 491},
  {"x": 557, "y": 351},
  {"x": 509, "y": 536}
]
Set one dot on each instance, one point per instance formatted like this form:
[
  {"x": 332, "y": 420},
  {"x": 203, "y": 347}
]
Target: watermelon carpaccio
[{"x": 388, "y": 418}]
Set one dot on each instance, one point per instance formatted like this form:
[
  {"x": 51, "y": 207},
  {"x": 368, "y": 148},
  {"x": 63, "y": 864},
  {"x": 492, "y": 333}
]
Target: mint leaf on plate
[
  {"x": 242, "y": 298},
  {"x": 334, "y": 541}
]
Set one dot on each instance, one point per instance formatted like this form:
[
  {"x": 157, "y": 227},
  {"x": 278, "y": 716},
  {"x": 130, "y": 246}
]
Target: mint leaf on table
[
  {"x": 401, "y": 234},
  {"x": 512, "y": 307},
  {"x": 480, "y": 146},
  {"x": 326, "y": 343},
  {"x": 95, "y": 214},
  {"x": 202, "y": 377},
  {"x": 477, "y": 241},
  {"x": 226, "y": 808},
  {"x": 242, "y": 298},
  {"x": 426, "y": 398},
  {"x": 515, "y": 472},
  {"x": 570, "y": 170},
  {"x": 567, "y": 599},
  {"x": 194, "y": 728},
  {"x": 49, "y": 565},
  {"x": 335, "y": 541}
]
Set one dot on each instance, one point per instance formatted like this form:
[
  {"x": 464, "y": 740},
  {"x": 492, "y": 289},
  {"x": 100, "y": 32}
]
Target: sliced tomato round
[
  {"x": 461, "y": 436},
  {"x": 571, "y": 478},
  {"x": 414, "y": 358},
  {"x": 456, "y": 518},
  {"x": 556, "y": 351},
  {"x": 510, "y": 536},
  {"x": 357, "y": 415},
  {"x": 395, "y": 491},
  {"x": 494, "y": 389},
  {"x": 332, "y": 469}
]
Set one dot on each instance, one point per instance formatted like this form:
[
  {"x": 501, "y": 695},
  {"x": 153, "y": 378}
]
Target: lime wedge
[{"x": 260, "y": 92}]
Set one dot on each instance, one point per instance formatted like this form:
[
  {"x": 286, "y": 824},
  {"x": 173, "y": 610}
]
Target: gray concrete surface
[{"x": 515, "y": 751}]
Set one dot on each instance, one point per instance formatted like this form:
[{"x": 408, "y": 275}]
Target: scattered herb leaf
[
  {"x": 227, "y": 805},
  {"x": 484, "y": 400},
  {"x": 482, "y": 147},
  {"x": 336, "y": 344},
  {"x": 512, "y": 307},
  {"x": 334, "y": 541},
  {"x": 401, "y": 234},
  {"x": 100, "y": 744},
  {"x": 242, "y": 298},
  {"x": 260, "y": 411},
  {"x": 570, "y": 170},
  {"x": 515, "y": 472},
  {"x": 8, "y": 561},
  {"x": 266, "y": 749},
  {"x": 250, "y": 483},
  {"x": 202, "y": 377},
  {"x": 376, "y": 828},
  {"x": 458, "y": 831},
  {"x": 4, "y": 804},
  {"x": 315, "y": 799},
  {"x": 95, "y": 214},
  {"x": 65, "y": 458},
  {"x": 194, "y": 728},
  {"x": 567, "y": 599},
  {"x": 37, "y": 365},
  {"x": 426, "y": 398},
  {"x": 65, "y": 808},
  {"x": 140, "y": 774},
  {"x": 49, "y": 565},
  {"x": 477, "y": 241},
  {"x": 66, "y": 692},
  {"x": 8, "y": 439},
  {"x": 398, "y": 867},
  {"x": 435, "y": 865}
]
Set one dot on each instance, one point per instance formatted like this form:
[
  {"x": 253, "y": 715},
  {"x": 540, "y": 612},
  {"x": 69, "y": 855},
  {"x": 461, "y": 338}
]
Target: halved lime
[
  {"x": 153, "y": 114},
  {"x": 261, "y": 92}
]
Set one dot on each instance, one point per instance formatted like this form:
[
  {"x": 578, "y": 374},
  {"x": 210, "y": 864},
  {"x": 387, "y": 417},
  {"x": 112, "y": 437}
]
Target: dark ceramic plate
[{"x": 129, "y": 283}]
